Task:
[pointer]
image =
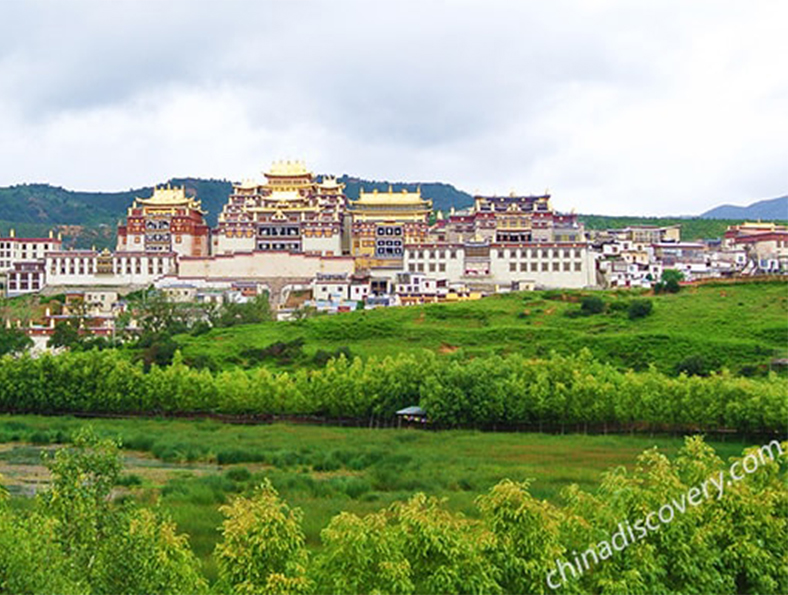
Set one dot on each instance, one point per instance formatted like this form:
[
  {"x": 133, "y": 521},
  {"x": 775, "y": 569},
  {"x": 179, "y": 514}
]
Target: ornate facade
[
  {"x": 384, "y": 223},
  {"x": 167, "y": 222},
  {"x": 291, "y": 211}
]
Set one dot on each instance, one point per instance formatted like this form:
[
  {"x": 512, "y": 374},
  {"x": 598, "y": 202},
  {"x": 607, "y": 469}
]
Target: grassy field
[
  {"x": 194, "y": 466},
  {"x": 733, "y": 326}
]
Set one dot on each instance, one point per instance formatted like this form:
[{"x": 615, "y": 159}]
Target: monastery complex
[{"x": 297, "y": 233}]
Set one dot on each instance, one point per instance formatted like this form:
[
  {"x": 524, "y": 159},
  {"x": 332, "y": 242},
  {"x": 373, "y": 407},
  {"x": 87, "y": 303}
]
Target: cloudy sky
[{"x": 618, "y": 107}]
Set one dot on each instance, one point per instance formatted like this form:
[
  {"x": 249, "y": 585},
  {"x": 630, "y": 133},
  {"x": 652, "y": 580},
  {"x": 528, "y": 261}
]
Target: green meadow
[
  {"x": 741, "y": 327},
  {"x": 192, "y": 467}
]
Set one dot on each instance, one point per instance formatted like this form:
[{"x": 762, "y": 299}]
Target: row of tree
[
  {"x": 78, "y": 540},
  {"x": 573, "y": 389}
]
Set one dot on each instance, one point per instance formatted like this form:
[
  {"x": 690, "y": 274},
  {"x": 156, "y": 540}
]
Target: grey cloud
[{"x": 604, "y": 98}]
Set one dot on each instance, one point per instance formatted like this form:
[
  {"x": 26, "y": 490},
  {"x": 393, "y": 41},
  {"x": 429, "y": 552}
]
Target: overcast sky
[{"x": 641, "y": 107}]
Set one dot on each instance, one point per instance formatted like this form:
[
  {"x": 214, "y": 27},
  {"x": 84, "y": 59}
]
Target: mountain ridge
[
  {"x": 770, "y": 208},
  {"x": 88, "y": 218}
]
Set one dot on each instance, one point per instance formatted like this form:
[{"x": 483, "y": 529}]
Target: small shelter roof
[{"x": 412, "y": 410}]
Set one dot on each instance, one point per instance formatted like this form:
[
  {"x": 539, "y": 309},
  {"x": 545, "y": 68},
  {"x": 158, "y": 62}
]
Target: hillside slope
[{"x": 737, "y": 326}]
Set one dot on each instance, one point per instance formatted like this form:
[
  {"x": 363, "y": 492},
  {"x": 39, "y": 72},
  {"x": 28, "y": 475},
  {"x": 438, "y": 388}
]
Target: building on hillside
[
  {"x": 765, "y": 244},
  {"x": 22, "y": 262},
  {"x": 80, "y": 268},
  {"x": 383, "y": 223},
  {"x": 646, "y": 234},
  {"x": 25, "y": 277},
  {"x": 167, "y": 222},
  {"x": 14, "y": 249},
  {"x": 505, "y": 242},
  {"x": 290, "y": 212}
]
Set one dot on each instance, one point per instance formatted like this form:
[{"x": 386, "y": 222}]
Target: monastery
[{"x": 294, "y": 230}]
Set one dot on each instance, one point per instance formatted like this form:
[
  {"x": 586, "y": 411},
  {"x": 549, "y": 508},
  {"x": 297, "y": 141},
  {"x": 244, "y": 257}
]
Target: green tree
[
  {"x": 361, "y": 555},
  {"x": 82, "y": 479},
  {"x": 66, "y": 334},
  {"x": 445, "y": 552},
  {"x": 13, "y": 340},
  {"x": 147, "y": 556},
  {"x": 262, "y": 549},
  {"x": 669, "y": 282},
  {"x": 525, "y": 537},
  {"x": 31, "y": 559}
]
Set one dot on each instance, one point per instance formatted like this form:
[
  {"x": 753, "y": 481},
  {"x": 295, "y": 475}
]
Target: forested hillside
[
  {"x": 692, "y": 228},
  {"x": 443, "y": 196},
  {"x": 90, "y": 218}
]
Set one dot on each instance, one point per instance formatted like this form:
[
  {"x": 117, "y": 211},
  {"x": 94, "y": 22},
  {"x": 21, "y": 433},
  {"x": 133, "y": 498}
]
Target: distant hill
[
  {"x": 443, "y": 196},
  {"x": 774, "y": 208},
  {"x": 90, "y": 218}
]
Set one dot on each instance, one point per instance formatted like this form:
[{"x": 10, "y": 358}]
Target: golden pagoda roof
[
  {"x": 330, "y": 182},
  {"x": 284, "y": 195},
  {"x": 169, "y": 197},
  {"x": 391, "y": 198},
  {"x": 288, "y": 168},
  {"x": 248, "y": 184}
]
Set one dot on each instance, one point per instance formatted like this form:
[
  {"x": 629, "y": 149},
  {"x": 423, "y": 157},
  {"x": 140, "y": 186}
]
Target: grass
[
  {"x": 737, "y": 326},
  {"x": 325, "y": 470}
]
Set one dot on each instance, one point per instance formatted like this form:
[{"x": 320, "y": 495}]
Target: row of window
[
  {"x": 432, "y": 267},
  {"x": 278, "y": 231},
  {"x": 24, "y": 286},
  {"x": 24, "y": 246},
  {"x": 545, "y": 266},
  {"x": 83, "y": 266},
  {"x": 432, "y": 254},
  {"x": 519, "y": 253},
  {"x": 540, "y": 253},
  {"x": 295, "y": 246}
]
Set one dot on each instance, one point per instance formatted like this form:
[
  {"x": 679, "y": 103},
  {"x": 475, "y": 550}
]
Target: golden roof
[
  {"x": 288, "y": 168},
  {"x": 284, "y": 195},
  {"x": 169, "y": 197},
  {"x": 330, "y": 182},
  {"x": 391, "y": 198},
  {"x": 248, "y": 184}
]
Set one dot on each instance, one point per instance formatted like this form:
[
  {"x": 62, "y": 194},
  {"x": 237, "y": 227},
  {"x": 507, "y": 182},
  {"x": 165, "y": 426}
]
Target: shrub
[
  {"x": 238, "y": 474},
  {"x": 618, "y": 306},
  {"x": 592, "y": 305},
  {"x": 322, "y": 357},
  {"x": 694, "y": 365},
  {"x": 39, "y": 437},
  {"x": 128, "y": 480},
  {"x": 639, "y": 308},
  {"x": 200, "y": 328}
]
